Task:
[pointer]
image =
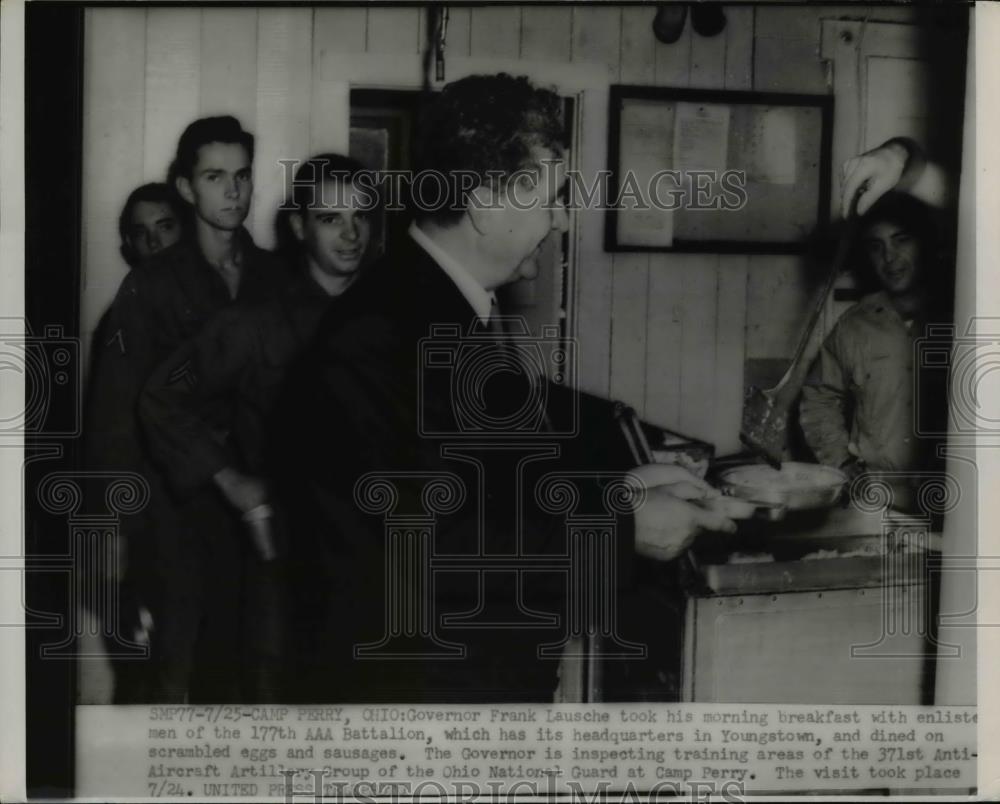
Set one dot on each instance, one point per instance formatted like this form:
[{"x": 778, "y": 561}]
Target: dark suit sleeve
[
  {"x": 345, "y": 410},
  {"x": 352, "y": 407},
  {"x": 177, "y": 403}
]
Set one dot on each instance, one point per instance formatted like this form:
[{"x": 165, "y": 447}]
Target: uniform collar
[
  {"x": 302, "y": 284},
  {"x": 878, "y": 306},
  {"x": 879, "y": 303},
  {"x": 320, "y": 281},
  {"x": 482, "y": 301}
]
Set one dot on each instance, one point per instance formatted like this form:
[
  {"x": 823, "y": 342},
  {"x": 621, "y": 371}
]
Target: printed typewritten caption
[{"x": 340, "y": 751}]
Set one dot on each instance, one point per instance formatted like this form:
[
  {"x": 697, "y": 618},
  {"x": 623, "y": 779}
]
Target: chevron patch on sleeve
[{"x": 183, "y": 373}]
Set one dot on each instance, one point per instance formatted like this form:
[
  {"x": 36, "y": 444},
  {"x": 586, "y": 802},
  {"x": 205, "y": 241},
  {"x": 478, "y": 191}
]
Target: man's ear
[
  {"x": 298, "y": 225},
  {"x": 481, "y": 205},
  {"x": 183, "y": 185}
]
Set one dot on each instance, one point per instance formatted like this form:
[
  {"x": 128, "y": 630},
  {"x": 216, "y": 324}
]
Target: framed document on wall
[{"x": 716, "y": 171}]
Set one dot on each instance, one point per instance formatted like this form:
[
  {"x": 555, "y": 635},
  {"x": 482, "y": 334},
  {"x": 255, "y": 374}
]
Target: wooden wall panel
[
  {"x": 394, "y": 30},
  {"x": 596, "y": 38},
  {"x": 698, "y": 357},
  {"x": 173, "y": 83},
  {"x": 702, "y": 383},
  {"x": 113, "y": 122},
  {"x": 630, "y": 300},
  {"x": 546, "y": 33},
  {"x": 672, "y": 62},
  {"x": 340, "y": 30},
  {"x": 665, "y": 342},
  {"x": 458, "y": 37},
  {"x": 638, "y": 45},
  {"x": 335, "y": 30},
  {"x": 284, "y": 92},
  {"x": 789, "y": 22},
  {"x": 708, "y": 61},
  {"x": 630, "y": 281},
  {"x": 777, "y": 296},
  {"x": 229, "y": 64},
  {"x": 730, "y": 350},
  {"x": 496, "y": 31},
  {"x": 739, "y": 33},
  {"x": 787, "y": 50}
]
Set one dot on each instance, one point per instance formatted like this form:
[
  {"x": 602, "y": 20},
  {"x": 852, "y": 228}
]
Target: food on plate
[
  {"x": 791, "y": 476},
  {"x": 729, "y": 507},
  {"x": 796, "y": 486}
]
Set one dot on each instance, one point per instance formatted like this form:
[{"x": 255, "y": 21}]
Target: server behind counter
[{"x": 862, "y": 415}]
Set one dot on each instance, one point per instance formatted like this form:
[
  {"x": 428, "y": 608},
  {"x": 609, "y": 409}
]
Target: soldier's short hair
[{"x": 224, "y": 129}]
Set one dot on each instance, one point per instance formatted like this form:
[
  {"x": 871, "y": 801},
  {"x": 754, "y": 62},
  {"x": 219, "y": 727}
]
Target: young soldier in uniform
[
  {"x": 204, "y": 408},
  {"x": 178, "y": 551},
  {"x": 149, "y": 222}
]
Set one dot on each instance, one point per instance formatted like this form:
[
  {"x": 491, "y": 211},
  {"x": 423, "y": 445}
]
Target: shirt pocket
[{"x": 870, "y": 363}]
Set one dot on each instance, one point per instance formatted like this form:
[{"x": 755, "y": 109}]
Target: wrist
[
  {"x": 912, "y": 159},
  {"x": 226, "y": 477},
  {"x": 853, "y": 466},
  {"x": 901, "y": 145}
]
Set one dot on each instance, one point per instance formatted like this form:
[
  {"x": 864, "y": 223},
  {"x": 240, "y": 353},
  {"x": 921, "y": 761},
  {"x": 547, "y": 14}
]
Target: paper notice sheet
[{"x": 701, "y": 136}]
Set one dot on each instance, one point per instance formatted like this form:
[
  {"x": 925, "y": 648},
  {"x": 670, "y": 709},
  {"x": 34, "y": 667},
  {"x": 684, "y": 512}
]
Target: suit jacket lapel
[{"x": 436, "y": 296}]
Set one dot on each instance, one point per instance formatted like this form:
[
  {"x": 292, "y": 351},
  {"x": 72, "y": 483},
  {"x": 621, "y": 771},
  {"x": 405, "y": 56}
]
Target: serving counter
[{"x": 828, "y": 607}]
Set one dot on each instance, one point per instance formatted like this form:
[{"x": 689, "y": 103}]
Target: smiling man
[
  {"x": 204, "y": 408},
  {"x": 860, "y": 414},
  {"x": 149, "y": 222},
  {"x": 175, "y": 550},
  {"x": 362, "y": 405}
]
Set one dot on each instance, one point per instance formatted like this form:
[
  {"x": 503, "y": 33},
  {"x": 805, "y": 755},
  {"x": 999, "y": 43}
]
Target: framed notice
[{"x": 716, "y": 171}]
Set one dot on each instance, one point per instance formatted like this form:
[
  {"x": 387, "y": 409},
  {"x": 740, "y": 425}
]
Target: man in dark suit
[{"x": 413, "y": 453}]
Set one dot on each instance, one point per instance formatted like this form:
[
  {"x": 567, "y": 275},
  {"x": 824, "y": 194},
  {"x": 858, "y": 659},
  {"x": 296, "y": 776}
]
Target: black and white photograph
[{"x": 490, "y": 400}]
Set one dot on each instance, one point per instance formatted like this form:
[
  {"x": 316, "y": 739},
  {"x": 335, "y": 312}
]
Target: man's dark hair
[
  {"x": 919, "y": 220},
  {"x": 325, "y": 167},
  {"x": 904, "y": 211},
  {"x": 225, "y": 129},
  {"x": 153, "y": 193},
  {"x": 487, "y": 124}
]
